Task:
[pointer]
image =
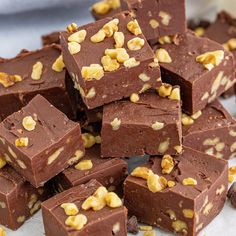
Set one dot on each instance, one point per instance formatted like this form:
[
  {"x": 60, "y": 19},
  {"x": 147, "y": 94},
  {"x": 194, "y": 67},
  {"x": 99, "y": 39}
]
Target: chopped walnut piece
[
  {"x": 135, "y": 44},
  {"x": 28, "y": 123},
  {"x": 58, "y": 65},
  {"x": 70, "y": 209},
  {"x": 154, "y": 23},
  {"x": 130, "y": 63},
  {"x": 188, "y": 213},
  {"x": 120, "y": 54},
  {"x": 116, "y": 124},
  {"x": 145, "y": 227},
  {"x": 84, "y": 165},
  {"x": 199, "y": 31},
  {"x": 98, "y": 37},
  {"x": 175, "y": 94},
  {"x": 165, "y": 40},
  {"x": 134, "y": 97},
  {"x": 164, "y": 90},
  {"x": 88, "y": 139},
  {"x": 78, "y": 36},
  {"x": 2, "y": 162},
  {"x": 22, "y": 142},
  {"x": 231, "y": 178},
  {"x": 101, "y": 7},
  {"x": 232, "y": 170},
  {"x": 189, "y": 181},
  {"x": 111, "y": 27},
  {"x": 211, "y": 59},
  {"x": 109, "y": 64},
  {"x": 232, "y": 44},
  {"x": 134, "y": 27},
  {"x": 37, "y": 71},
  {"x": 186, "y": 120},
  {"x": 112, "y": 200},
  {"x": 76, "y": 222},
  {"x": 94, "y": 71},
  {"x": 149, "y": 233},
  {"x": 165, "y": 17},
  {"x": 141, "y": 172},
  {"x": 179, "y": 226},
  {"x": 72, "y": 27},
  {"x": 156, "y": 183},
  {"x": 91, "y": 93},
  {"x": 167, "y": 164},
  {"x": 157, "y": 125},
  {"x": 119, "y": 38},
  {"x": 74, "y": 48},
  {"x": 171, "y": 183},
  {"x": 163, "y": 56},
  {"x": 9, "y": 80}
]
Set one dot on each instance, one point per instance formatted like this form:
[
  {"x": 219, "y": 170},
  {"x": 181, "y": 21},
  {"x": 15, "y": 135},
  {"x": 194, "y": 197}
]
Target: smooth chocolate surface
[
  {"x": 103, "y": 222},
  {"x": 182, "y": 209},
  {"x": 199, "y": 86},
  {"x": 135, "y": 134},
  {"x": 116, "y": 84},
  {"x": 51, "y": 38},
  {"x": 51, "y": 144},
  {"x": 18, "y": 199},
  {"x": 55, "y": 86},
  {"x": 109, "y": 172}
]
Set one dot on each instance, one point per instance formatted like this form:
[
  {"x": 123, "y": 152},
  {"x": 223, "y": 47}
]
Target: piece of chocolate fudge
[
  {"x": 158, "y": 18},
  {"x": 109, "y": 59},
  {"x": 109, "y": 172},
  {"x": 39, "y": 141},
  {"x": 32, "y": 73},
  {"x": 212, "y": 131},
  {"x": 202, "y": 68},
  {"x": 19, "y": 200},
  {"x": 85, "y": 210},
  {"x": 152, "y": 126},
  {"x": 185, "y": 192},
  {"x": 51, "y": 38}
]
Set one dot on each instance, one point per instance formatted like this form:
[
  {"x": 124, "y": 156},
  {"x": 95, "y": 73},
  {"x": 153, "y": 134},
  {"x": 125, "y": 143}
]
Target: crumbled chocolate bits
[
  {"x": 232, "y": 194},
  {"x": 9, "y": 80},
  {"x": 132, "y": 225}
]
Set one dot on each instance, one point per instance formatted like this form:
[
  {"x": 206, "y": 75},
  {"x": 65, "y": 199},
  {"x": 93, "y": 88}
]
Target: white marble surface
[{"x": 23, "y": 30}]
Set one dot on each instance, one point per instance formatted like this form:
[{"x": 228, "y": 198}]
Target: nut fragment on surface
[
  {"x": 163, "y": 56},
  {"x": 130, "y": 63},
  {"x": 55, "y": 155},
  {"x": 84, "y": 165},
  {"x": 110, "y": 27},
  {"x": 74, "y": 48},
  {"x": 165, "y": 40},
  {"x": 135, "y": 44},
  {"x": 211, "y": 59},
  {"x": 171, "y": 183},
  {"x": 231, "y": 44},
  {"x": 149, "y": 233},
  {"x": 156, "y": 183},
  {"x": 167, "y": 164},
  {"x": 199, "y": 31},
  {"x": 98, "y": 37},
  {"x": 58, "y": 65},
  {"x": 178, "y": 148},
  {"x": 109, "y": 64},
  {"x": 78, "y": 36},
  {"x": 116, "y": 124},
  {"x": 186, "y": 120},
  {"x": 157, "y": 125},
  {"x": 134, "y": 97},
  {"x": 163, "y": 146},
  {"x": 119, "y": 38},
  {"x": 232, "y": 170},
  {"x": 120, "y": 54},
  {"x": 141, "y": 172},
  {"x": 76, "y": 222},
  {"x": 2, "y": 162},
  {"x": 154, "y": 23},
  {"x": 37, "y": 71},
  {"x": 72, "y": 27},
  {"x": 165, "y": 17},
  {"x": 175, "y": 94},
  {"x": 29, "y": 123},
  {"x": 112, "y": 200},
  {"x": 189, "y": 181},
  {"x": 188, "y": 213},
  {"x": 9, "y": 80},
  {"x": 94, "y": 71},
  {"x": 101, "y": 7},
  {"x": 164, "y": 90},
  {"x": 70, "y": 209},
  {"x": 134, "y": 27},
  {"x": 22, "y": 142},
  {"x": 144, "y": 77},
  {"x": 88, "y": 139},
  {"x": 179, "y": 226}
]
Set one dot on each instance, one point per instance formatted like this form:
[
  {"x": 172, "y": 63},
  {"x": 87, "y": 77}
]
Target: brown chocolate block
[
  {"x": 199, "y": 85},
  {"x": 150, "y": 126},
  {"x": 213, "y": 132},
  {"x": 51, "y": 38},
  {"x": 119, "y": 79},
  {"x": 109, "y": 172},
  {"x": 55, "y": 86},
  {"x": 158, "y": 17},
  {"x": 19, "y": 200},
  {"x": 39, "y": 141},
  {"x": 182, "y": 209},
  {"x": 106, "y": 222}
]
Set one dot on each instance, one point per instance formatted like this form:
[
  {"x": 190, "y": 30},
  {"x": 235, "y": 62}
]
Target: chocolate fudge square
[
  {"x": 78, "y": 218},
  {"x": 110, "y": 172},
  {"x": 158, "y": 18},
  {"x": 150, "y": 126},
  {"x": 202, "y": 68},
  {"x": 108, "y": 61},
  {"x": 39, "y": 141},
  {"x": 211, "y": 131},
  {"x": 32, "y": 73},
  {"x": 183, "y": 201},
  {"x": 19, "y": 200}
]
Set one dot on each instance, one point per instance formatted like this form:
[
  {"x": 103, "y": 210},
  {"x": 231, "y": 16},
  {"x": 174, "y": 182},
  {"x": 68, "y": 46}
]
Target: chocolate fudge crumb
[
  {"x": 132, "y": 225},
  {"x": 232, "y": 194}
]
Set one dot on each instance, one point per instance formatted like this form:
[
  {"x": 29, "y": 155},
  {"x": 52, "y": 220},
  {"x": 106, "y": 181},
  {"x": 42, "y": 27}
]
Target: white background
[{"x": 23, "y": 30}]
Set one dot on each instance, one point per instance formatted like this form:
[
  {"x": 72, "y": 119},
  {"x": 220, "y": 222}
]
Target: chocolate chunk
[
  {"x": 51, "y": 38},
  {"x": 232, "y": 194},
  {"x": 132, "y": 225}
]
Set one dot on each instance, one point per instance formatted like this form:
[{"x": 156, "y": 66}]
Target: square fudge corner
[
  {"x": 151, "y": 125},
  {"x": 69, "y": 213},
  {"x": 212, "y": 69},
  {"x": 110, "y": 59},
  {"x": 187, "y": 192},
  {"x": 39, "y": 141}
]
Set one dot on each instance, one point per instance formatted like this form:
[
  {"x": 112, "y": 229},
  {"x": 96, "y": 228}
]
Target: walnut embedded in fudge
[
  {"x": 122, "y": 65},
  {"x": 39, "y": 141}
]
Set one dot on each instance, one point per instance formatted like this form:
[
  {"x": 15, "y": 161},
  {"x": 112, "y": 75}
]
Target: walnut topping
[
  {"x": 84, "y": 165},
  {"x": 165, "y": 40},
  {"x": 29, "y": 123},
  {"x": 111, "y": 27},
  {"x": 141, "y": 172},
  {"x": 144, "y": 77},
  {"x": 109, "y": 64},
  {"x": 165, "y": 17},
  {"x": 186, "y": 120},
  {"x": 103, "y": 7},
  {"x": 199, "y": 31},
  {"x": 76, "y": 222},
  {"x": 91, "y": 93},
  {"x": 120, "y": 54},
  {"x": 134, "y": 97},
  {"x": 70, "y": 209},
  {"x": 78, "y": 36},
  {"x": 94, "y": 203},
  {"x": 163, "y": 56},
  {"x": 37, "y": 71},
  {"x": 178, "y": 148},
  {"x": 3, "y": 231},
  {"x": 211, "y": 59},
  {"x": 167, "y": 164},
  {"x": 135, "y": 44},
  {"x": 164, "y": 90},
  {"x": 171, "y": 183},
  {"x": 231, "y": 178},
  {"x": 72, "y": 27},
  {"x": 156, "y": 183},
  {"x": 157, "y": 125},
  {"x": 179, "y": 226},
  {"x": 58, "y": 65},
  {"x": 154, "y": 23},
  {"x": 2, "y": 162},
  {"x": 88, "y": 139},
  {"x": 175, "y": 94},
  {"x": 188, "y": 213},
  {"x": 130, "y": 63},
  {"x": 116, "y": 124},
  {"x": 55, "y": 155},
  {"x": 98, "y": 37},
  {"x": 119, "y": 38},
  {"x": 112, "y": 200},
  {"x": 9, "y": 80},
  {"x": 74, "y": 48},
  {"x": 134, "y": 27},
  {"x": 94, "y": 71},
  {"x": 232, "y": 170},
  {"x": 189, "y": 181},
  {"x": 22, "y": 142}
]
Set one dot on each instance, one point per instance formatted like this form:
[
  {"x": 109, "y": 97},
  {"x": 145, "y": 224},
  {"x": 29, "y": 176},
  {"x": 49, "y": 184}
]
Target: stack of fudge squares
[{"x": 136, "y": 82}]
